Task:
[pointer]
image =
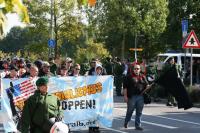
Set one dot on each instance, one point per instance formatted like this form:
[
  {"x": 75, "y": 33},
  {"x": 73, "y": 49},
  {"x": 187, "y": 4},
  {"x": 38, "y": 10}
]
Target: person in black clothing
[
  {"x": 92, "y": 66},
  {"x": 134, "y": 85}
]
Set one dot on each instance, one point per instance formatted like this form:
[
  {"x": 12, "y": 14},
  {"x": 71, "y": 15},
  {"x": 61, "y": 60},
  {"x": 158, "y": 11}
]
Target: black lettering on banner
[
  {"x": 82, "y": 104},
  {"x": 70, "y": 104},
  {"x": 79, "y": 104},
  {"x": 82, "y": 123},
  {"x": 64, "y": 105}
]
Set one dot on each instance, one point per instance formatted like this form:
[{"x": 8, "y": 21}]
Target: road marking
[
  {"x": 179, "y": 120},
  {"x": 174, "y": 119},
  {"x": 114, "y": 130},
  {"x": 154, "y": 124}
]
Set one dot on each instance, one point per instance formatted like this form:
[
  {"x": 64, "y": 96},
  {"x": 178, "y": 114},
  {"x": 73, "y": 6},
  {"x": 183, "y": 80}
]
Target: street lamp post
[
  {"x": 136, "y": 36},
  {"x": 135, "y": 47},
  {"x": 51, "y": 50}
]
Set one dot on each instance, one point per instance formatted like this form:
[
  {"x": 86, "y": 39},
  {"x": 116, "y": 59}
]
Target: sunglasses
[{"x": 136, "y": 68}]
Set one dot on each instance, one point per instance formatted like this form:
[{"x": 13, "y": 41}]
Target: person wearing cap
[
  {"x": 69, "y": 64},
  {"x": 45, "y": 71},
  {"x": 41, "y": 110},
  {"x": 38, "y": 63}
]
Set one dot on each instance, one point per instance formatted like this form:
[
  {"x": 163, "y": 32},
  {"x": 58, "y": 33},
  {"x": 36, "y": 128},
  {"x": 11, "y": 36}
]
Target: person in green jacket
[{"x": 41, "y": 110}]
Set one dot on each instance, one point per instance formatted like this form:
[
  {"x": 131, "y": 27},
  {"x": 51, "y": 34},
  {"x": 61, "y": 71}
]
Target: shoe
[
  {"x": 119, "y": 94},
  {"x": 168, "y": 104},
  {"x": 139, "y": 128},
  {"x": 174, "y": 104},
  {"x": 96, "y": 130},
  {"x": 125, "y": 125}
]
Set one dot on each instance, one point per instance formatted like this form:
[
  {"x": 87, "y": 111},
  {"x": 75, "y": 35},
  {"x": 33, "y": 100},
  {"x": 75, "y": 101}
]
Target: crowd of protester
[
  {"x": 21, "y": 68},
  {"x": 121, "y": 69}
]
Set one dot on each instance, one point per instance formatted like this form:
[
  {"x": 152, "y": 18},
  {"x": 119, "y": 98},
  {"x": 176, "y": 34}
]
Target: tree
[
  {"x": 7, "y": 6},
  {"x": 15, "y": 40},
  {"x": 179, "y": 10},
  {"x": 92, "y": 50},
  {"x": 119, "y": 21}
]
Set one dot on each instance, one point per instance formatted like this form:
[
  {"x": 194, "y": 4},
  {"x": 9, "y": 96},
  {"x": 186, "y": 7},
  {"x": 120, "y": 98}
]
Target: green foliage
[
  {"x": 116, "y": 18},
  {"x": 194, "y": 92},
  {"x": 92, "y": 50},
  {"x": 179, "y": 10},
  {"x": 113, "y": 23},
  {"x": 15, "y": 40}
]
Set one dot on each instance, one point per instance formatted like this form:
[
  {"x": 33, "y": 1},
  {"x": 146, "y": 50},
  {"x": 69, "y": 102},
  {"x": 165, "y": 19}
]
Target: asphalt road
[{"x": 157, "y": 118}]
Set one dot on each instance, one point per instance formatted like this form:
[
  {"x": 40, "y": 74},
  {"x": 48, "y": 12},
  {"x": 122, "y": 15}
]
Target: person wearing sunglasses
[
  {"x": 134, "y": 84},
  {"x": 76, "y": 70}
]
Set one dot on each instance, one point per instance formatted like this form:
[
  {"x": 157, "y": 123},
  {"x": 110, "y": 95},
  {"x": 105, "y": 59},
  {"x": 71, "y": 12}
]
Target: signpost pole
[
  {"x": 51, "y": 49},
  {"x": 184, "y": 34},
  {"x": 191, "y": 62},
  {"x": 191, "y": 42}
]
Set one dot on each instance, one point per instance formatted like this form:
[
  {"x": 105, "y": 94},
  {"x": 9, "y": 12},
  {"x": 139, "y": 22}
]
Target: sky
[{"x": 13, "y": 20}]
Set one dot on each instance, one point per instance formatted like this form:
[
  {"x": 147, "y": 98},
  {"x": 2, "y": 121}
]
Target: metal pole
[
  {"x": 51, "y": 30},
  {"x": 191, "y": 67},
  {"x": 52, "y": 2},
  {"x": 135, "y": 47}
]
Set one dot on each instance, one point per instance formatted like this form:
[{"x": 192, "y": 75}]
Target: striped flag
[{"x": 22, "y": 91}]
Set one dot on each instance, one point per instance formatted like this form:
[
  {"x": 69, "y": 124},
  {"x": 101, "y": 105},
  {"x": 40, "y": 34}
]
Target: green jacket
[{"x": 37, "y": 109}]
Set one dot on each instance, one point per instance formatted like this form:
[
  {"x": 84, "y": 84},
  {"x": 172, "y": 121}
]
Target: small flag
[{"x": 22, "y": 91}]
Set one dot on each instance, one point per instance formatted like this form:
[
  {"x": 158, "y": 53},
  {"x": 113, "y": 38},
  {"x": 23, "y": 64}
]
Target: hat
[
  {"x": 38, "y": 63},
  {"x": 42, "y": 81},
  {"x": 45, "y": 64},
  {"x": 5, "y": 62},
  {"x": 68, "y": 60},
  {"x": 21, "y": 60}
]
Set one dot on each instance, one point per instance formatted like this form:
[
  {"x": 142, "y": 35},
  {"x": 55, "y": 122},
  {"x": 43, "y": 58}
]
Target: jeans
[{"x": 135, "y": 102}]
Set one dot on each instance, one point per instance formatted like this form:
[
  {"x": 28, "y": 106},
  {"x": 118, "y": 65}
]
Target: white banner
[{"x": 86, "y": 100}]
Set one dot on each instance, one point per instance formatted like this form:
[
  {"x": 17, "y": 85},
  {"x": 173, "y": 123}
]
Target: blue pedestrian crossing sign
[{"x": 51, "y": 43}]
